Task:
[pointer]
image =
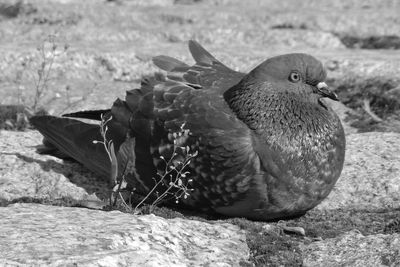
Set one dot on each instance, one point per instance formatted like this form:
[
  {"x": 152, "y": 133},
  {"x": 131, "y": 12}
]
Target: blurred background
[{"x": 66, "y": 55}]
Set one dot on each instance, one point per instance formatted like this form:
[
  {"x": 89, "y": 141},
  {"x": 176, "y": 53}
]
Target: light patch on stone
[{"x": 40, "y": 235}]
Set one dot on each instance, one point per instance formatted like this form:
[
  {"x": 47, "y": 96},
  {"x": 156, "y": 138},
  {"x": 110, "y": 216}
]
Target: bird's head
[
  {"x": 282, "y": 88},
  {"x": 292, "y": 73}
]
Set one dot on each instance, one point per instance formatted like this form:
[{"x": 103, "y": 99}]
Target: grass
[
  {"x": 376, "y": 102},
  {"x": 372, "y": 42}
]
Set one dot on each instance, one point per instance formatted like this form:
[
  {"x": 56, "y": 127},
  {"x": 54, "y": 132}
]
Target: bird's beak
[{"x": 324, "y": 91}]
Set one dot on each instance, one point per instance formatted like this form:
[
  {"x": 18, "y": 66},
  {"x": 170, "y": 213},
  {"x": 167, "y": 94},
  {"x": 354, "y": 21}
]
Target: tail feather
[
  {"x": 208, "y": 72},
  {"x": 65, "y": 137},
  {"x": 88, "y": 114},
  {"x": 201, "y": 55},
  {"x": 75, "y": 139},
  {"x": 170, "y": 64}
]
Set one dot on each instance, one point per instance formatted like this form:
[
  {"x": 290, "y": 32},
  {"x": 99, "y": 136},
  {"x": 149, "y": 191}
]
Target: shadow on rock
[{"x": 75, "y": 173}]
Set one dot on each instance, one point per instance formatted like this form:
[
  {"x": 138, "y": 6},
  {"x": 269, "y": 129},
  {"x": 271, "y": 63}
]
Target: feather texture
[{"x": 268, "y": 147}]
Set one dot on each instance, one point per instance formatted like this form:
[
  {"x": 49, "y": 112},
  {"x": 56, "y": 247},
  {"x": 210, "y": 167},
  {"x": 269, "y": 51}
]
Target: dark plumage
[{"x": 268, "y": 146}]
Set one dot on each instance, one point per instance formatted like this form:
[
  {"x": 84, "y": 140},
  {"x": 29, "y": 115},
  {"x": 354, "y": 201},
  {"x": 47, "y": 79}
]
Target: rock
[
  {"x": 34, "y": 234},
  {"x": 354, "y": 249},
  {"x": 24, "y": 173},
  {"x": 371, "y": 174}
]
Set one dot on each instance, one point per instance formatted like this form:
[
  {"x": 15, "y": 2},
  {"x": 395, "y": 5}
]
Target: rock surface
[
  {"x": 354, "y": 249},
  {"x": 59, "y": 236},
  {"x": 24, "y": 173}
]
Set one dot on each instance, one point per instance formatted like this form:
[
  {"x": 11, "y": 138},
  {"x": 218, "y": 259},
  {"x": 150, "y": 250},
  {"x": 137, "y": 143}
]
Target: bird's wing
[
  {"x": 207, "y": 72},
  {"x": 160, "y": 108},
  {"x": 226, "y": 155}
]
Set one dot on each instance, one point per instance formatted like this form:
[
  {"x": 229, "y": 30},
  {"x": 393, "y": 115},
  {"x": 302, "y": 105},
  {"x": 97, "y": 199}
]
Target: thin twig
[
  {"x": 120, "y": 183},
  {"x": 367, "y": 109},
  {"x": 117, "y": 192},
  {"x": 128, "y": 207}
]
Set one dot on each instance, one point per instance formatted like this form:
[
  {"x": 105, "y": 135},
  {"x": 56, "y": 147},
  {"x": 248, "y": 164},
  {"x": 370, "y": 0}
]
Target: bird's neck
[{"x": 279, "y": 114}]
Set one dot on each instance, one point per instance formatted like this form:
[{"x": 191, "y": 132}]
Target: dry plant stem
[
  {"x": 43, "y": 79},
  {"x": 118, "y": 193},
  {"x": 46, "y": 55},
  {"x": 108, "y": 146},
  {"x": 103, "y": 131},
  {"x": 172, "y": 184},
  {"x": 120, "y": 182},
  {"x": 148, "y": 195},
  {"x": 169, "y": 167},
  {"x": 367, "y": 109},
  {"x": 166, "y": 172},
  {"x": 128, "y": 207},
  {"x": 119, "y": 186}
]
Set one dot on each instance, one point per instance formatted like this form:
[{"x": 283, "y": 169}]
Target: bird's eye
[{"x": 294, "y": 77}]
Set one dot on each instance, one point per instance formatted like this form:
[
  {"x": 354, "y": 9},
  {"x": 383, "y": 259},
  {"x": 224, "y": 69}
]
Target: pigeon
[{"x": 263, "y": 145}]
